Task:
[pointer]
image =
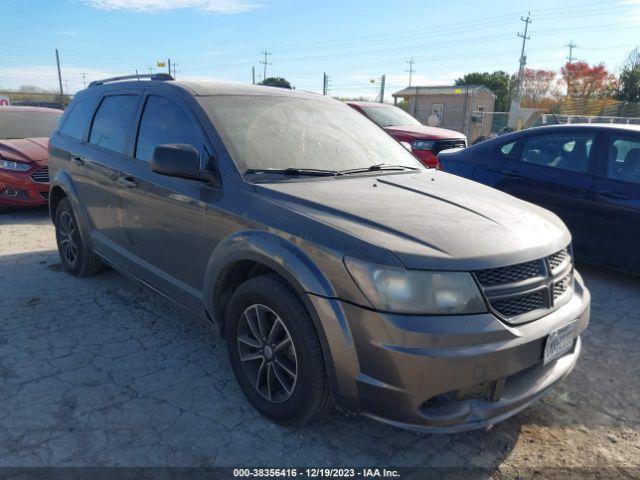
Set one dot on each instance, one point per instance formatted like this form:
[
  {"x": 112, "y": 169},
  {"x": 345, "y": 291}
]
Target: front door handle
[
  {"x": 77, "y": 159},
  {"x": 511, "y": 173},
  {"x": 613, "y": 195},
  {"x": 127, "y": 182}
]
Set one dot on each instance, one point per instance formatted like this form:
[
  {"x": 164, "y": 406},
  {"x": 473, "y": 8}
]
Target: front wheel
[
  {"x": 275, "y": 352},
  {"x": 76, "y": 258}
]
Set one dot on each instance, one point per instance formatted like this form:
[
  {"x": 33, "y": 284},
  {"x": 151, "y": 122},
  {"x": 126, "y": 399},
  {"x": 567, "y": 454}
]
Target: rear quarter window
[{"x": 78, "y": 119}]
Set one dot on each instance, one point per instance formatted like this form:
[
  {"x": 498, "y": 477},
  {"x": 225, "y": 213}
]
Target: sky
[{"x": 353, "y": 41}]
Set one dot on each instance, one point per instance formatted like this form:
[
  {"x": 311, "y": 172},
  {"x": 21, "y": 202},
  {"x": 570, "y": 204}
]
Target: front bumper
[
  {"x": 19, "y": 188},
  {"x": 443, "y": 374}
]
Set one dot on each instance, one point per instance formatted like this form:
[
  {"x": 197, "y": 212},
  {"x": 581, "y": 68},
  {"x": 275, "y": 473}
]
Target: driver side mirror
[{"x": 178, "y": 160}]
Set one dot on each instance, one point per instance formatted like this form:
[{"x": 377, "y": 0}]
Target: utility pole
[
  {"x": 410, "y": 62},
  {"x": 265, "y": 62},
  {"x": 169, "y": 65},
  {"x": 59, "y": 75},
  {"x": 174, "y": 69},
  {"x": 325, "y": 84},
  {"x": 571, "y": 46},
  {"x": 570, "y": 58},
  {"x": 523, "y": 57},
  {"x": 253, "y": 74},
  {"x": 382, "y": 81},
  {"x": 84, "y": 80}
]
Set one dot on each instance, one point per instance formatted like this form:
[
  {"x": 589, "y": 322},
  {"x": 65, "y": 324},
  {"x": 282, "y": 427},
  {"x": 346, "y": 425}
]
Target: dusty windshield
[
  {"x": 390, "y": 116},
  {"x": 27, "y": 124},
  {"x": 280, "y": 132}
]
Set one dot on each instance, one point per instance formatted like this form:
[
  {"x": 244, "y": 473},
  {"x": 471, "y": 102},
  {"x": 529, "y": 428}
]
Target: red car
[
  {"x": 24, "y": 140},
  {"x": 423, "y": 141}
]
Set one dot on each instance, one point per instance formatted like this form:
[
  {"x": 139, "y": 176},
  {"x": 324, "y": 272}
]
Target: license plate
[{"x": 559, "y": 342}]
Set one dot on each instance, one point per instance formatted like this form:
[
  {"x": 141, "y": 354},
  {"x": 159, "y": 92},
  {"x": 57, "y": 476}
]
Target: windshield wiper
[
  {"x": 311, "y": 172},
  {"x": 378, "y": 167}
]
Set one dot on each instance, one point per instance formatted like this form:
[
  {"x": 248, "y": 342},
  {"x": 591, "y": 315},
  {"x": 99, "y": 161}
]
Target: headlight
[
  {"x": 9, "y": 165},
  {"x": 399, "y": 290},
  {"x": 423, "y": 144}
]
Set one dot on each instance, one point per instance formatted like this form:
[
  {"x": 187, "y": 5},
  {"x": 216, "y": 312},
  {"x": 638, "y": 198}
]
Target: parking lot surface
[{"x": 101, "y": 371}]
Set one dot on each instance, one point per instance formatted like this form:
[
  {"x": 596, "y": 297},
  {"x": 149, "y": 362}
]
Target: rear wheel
[
  {"x": 76, "y": 258},
  {"x": 275, "y": 352}
]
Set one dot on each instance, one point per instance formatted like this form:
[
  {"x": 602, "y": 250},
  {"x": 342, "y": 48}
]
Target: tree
[
  {"x": 500, "y": 83},
  {"x": 586, "y": 81},
  {"x": 539, "y": 87},
  {"x": 629, "y": 89},
  {"x": 276, "y": 82}
]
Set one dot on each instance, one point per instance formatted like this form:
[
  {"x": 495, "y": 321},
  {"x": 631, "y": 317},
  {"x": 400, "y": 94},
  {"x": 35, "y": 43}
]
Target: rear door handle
[
  {"x": 127, "y": 182},
  {"x": 613, "y": 195},
  {"x": 77, "y": 159}
]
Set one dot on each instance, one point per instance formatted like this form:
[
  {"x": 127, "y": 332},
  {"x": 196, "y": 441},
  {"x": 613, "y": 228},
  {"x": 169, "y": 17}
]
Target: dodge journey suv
[{"x": 338, "y": 268}]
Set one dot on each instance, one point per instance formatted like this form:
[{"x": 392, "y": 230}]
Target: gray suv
[{"x": 339, "y": 270}]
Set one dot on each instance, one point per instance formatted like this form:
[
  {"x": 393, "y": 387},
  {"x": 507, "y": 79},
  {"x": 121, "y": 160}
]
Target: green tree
[
  {"x": 499, "y": 82},
  {"x": 276, "y": 82},
  {"x": 629, "y": 90}
]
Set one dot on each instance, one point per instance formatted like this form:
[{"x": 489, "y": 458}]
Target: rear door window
[
  {"x": 113, "y": 122},
  {"x": 623, "y": 159},
  {"x": 164, "y": 121},
  {"x": 563, "y": 151}
]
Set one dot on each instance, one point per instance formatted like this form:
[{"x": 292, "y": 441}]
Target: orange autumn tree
[{"x": 588, "y": 81}]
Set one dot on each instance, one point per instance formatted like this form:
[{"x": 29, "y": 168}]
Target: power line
[
  {"x": 410, "y": 62},
  {"x": 265, "y": 62},
  {"x": 523, "y": 57}
]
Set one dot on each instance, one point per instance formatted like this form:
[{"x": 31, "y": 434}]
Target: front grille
[
  {"x": 511, "y": 274},
  {"x": 41, "y": 176},
  {"x": 441, "y": 145},
  {"x": 560, "y": 287},
  {"x": 45, "y": 195},
  {"x": 526, "y": 291},
  {"x": 519, "y": 305},
  {"x": 557, "y": 259}
]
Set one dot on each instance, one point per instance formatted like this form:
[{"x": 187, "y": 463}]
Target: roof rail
[{"x": 150, "y": 76}]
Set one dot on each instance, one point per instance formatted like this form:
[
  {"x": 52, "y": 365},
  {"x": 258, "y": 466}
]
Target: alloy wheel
[
  {"x": 267, "y": 353},
  {"x": 68, "y": 238}
]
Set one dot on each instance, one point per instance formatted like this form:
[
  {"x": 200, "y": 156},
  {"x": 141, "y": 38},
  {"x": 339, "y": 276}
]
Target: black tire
[
  {"x": 79, "y": 260},
  {"x": 310, "y": 396}
]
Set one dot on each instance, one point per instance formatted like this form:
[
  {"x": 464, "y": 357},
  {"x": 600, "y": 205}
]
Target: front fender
[{"x": 280, "y": 255}]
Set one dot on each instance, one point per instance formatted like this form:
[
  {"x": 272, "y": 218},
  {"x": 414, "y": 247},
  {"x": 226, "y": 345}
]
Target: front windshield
[
  {"x": 279, "y": 132},
  {"x": 388, "y": 116},
  {"x": 27, "y": 124}
]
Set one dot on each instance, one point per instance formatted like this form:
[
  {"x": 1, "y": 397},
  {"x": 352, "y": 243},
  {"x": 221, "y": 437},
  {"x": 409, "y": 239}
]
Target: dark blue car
[{"x": 588, "y": 174}]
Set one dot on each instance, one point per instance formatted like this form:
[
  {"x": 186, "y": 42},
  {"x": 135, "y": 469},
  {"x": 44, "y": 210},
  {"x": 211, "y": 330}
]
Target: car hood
[
  {"x": 424, "y": 131},
  {"x": 430, "y": 220},
  {"x": 26, "y": 150}
]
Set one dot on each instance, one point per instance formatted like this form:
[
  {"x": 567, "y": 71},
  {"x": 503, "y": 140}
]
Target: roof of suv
[{"x": 209, "y": 88}]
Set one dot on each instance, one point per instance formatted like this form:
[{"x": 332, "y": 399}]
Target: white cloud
[{"x": 211, "y": 6}]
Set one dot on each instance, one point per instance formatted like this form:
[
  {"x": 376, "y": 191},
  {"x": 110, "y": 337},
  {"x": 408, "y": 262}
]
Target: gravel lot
[{"x": 100, "y": 371}]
